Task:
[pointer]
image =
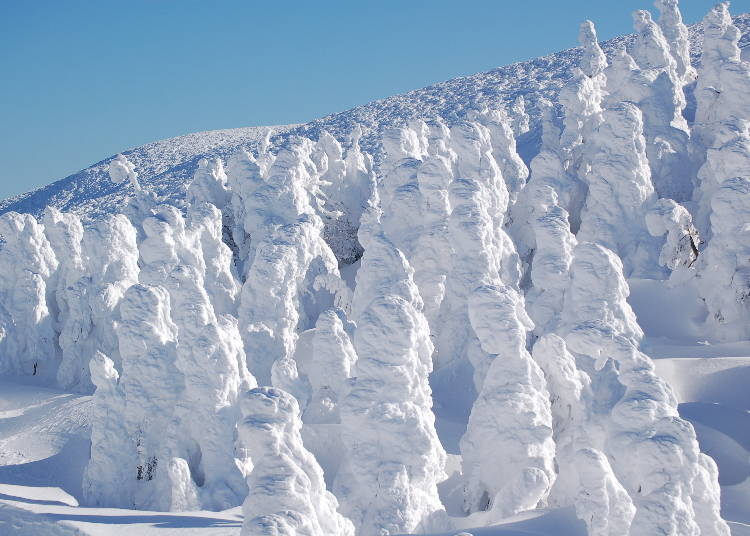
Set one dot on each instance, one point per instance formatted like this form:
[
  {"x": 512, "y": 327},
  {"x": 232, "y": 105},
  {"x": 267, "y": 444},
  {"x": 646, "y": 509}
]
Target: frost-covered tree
[
  {"x": 150, "y": 384},
  {"x": 432, "y": 249},
  {"x": 593, "y": 62},
  {"x": 415, "y": 210},
  {"x": 346, "y": 181},
  {"x": 680, "y": 249},
  {"x": 279, "y": 296},
  {"x": 581, "y": 100},
  {"x": 519, "y": 116},
  {"x": 28, "y": 268},
  {"x": 111, "y": 464},
  {"x": 210, "y": 185},
  {"x": 330, "y": 368},
  {"x": 642, "y": 435},
  {"x": 65, "y": 234},
  {"x": 514, "y": 171},
  {"x": 215, "y": 263},
  {"x": 570, "y": 395},
  {"x": 507, "y": 451},
  {"x": 208, "y": 354},
  {"x": 394, "y": 460},
  {"x": 676, "y": 34},
  {"x": 552, "y": 255},
  {"x": 328, "y": 361},
  {"x": 122, "y": 170},
  {"x": 111, "y": 255},
  {"x": 482, "y": 252},
  {"x": 722, "y": 95},
  {"x": 620, "y": 190},
  {"x": 653, "y": 81},
  {"x": 244, "y": 178},
  {"x": 723, "y": 128},
  {"x": 601, "y": 501},
  {"x": 547, "y": 171},
  {"x": 724, "y": 268},
  {"x": 287, "y": 495}
]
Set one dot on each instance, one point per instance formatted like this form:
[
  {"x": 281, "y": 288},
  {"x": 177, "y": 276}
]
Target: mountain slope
[{"x": 166, "y": 166}]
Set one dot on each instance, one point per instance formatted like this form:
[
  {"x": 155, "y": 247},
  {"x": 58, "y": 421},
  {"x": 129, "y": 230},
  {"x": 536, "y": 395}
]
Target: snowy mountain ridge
[{"x": 167, "y": 165}]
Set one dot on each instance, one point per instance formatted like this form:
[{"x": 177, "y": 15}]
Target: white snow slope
[
  {"x": 167, "y": 166},
  {"x": 463, "y": 357}
]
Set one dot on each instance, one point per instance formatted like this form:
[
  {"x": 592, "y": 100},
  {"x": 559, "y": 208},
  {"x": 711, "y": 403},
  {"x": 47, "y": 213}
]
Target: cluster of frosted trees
[{"x": 464, "y": 258}]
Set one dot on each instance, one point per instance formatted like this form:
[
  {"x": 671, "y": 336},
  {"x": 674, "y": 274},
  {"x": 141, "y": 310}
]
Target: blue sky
[{"x": 81, "y": 80}]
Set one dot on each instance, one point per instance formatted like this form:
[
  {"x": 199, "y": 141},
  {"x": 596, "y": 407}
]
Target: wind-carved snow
[{"x": 347, "y": 271}]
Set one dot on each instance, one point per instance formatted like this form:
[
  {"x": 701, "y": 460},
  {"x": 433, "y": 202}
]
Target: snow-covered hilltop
[
  {"x": 406, "y": 320},
  {"x": 168, "y": 165}
]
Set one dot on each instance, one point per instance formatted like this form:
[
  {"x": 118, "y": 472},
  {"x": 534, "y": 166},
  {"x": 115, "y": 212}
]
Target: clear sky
[{"x": 82, "y": 80}]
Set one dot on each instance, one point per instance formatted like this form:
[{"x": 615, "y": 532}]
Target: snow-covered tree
[
  {"x": 651, "y": 80},
  {"x": 287, "y": 495},
  {"x": 432, "y": 250},
  {"x": 553, "y": 253},
  {"x": 519, "y": 116},
  {"x": 394, "y": 460},
  {"x": 122, "y": 170},
  {"x": 208, "y": 353},
  {"x": 722, "y": 131},
  {"x": 482, "y": 252},
  {"x": 244, "y": 178},
  {"x": 620, "y": 190},
  {"x": 111, "y": 268},
  {"x": 722, "y": 95},
  {"x": 150, "y": 384},
  {"x": 111, "y": 464},
  {"x": 325, "y": 357},
  {"x": 279, "y": 296},
  {"x": 581, "y": 100},
  {"x": 215, "y": 263},
  {"x": 28, "y": 268},
  {"x": 593, "y": 62},
  {"x": 643, "y": 434},
  {"x": 680, "y": 249},
  {"x": 676, "y": 34},
  {"x": 65, "y": 234},
  {"x": 346, "y": 184},
  {"x": 570, "y": 396},
  {"x": 329, "y": 369},
  {"x": 601, "y": 501},
  {"x": 210, "y": 185},
  {"x": 210, "y": 356},
  {"x": 514, "y": 171},
  {"x": 507, "y": 451}
]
